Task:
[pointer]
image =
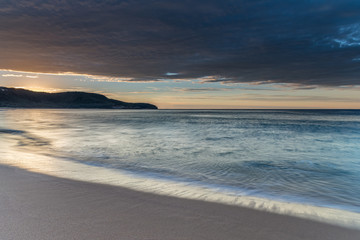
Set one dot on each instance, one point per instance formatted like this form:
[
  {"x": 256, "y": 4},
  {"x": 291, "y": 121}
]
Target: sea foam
[{"x": 81, "y": 172}]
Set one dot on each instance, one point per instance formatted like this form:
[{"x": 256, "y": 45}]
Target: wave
[
  {"x": 26, "y": 139},
  {"x": 82, "y": 172}
]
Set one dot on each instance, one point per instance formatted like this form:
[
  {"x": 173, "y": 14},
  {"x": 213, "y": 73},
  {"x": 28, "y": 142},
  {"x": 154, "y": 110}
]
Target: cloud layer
[{"x": 287, "y": 41}]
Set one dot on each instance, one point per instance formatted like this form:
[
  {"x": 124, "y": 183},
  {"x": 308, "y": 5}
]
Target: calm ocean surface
[{"x": 310, "y": 157}]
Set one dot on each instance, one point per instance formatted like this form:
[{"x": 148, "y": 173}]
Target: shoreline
[
  {"x": 74, "y": 171},
  {"x": 37, "y": 206}
]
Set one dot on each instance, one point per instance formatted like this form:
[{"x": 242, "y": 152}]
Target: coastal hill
[{"x": 21, "y": 98}]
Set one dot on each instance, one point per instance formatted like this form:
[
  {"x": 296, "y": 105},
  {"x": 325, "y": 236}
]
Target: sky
[{"x": 233, "y": 54}]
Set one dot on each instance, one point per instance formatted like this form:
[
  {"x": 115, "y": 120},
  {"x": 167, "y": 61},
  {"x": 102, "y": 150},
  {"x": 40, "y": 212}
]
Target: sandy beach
[{"x": 35, "y": 207}]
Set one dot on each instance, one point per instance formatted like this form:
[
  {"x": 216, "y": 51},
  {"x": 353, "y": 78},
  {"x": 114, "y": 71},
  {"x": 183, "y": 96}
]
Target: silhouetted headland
[{"x": 22, "y": 98}]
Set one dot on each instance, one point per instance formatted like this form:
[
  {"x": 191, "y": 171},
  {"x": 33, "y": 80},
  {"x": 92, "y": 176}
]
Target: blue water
[{"x": 305, "y": 156}]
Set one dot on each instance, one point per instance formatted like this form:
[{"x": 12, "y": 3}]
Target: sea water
[{"x": 267, "y": 159}]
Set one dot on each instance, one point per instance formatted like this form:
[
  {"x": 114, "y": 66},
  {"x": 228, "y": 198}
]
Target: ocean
[{"x": 274, "y": 160}]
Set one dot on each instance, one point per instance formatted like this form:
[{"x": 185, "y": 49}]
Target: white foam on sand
[{"x": 82, "y": 172}]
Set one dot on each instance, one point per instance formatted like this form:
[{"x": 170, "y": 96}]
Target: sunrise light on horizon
[{"x": 203, "y": 54}]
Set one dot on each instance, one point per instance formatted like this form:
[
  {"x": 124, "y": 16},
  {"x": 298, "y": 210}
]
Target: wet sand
[{"x": 35, "y": 207}]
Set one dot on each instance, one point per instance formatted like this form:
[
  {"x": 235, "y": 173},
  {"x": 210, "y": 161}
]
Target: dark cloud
[
  {"x": 288, "y": 41},
  {"x": 305, "y": 88}
]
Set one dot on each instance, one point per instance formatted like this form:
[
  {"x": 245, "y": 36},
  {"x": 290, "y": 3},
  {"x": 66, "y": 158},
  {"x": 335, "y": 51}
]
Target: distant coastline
[{"x": 22, "y": 98}]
